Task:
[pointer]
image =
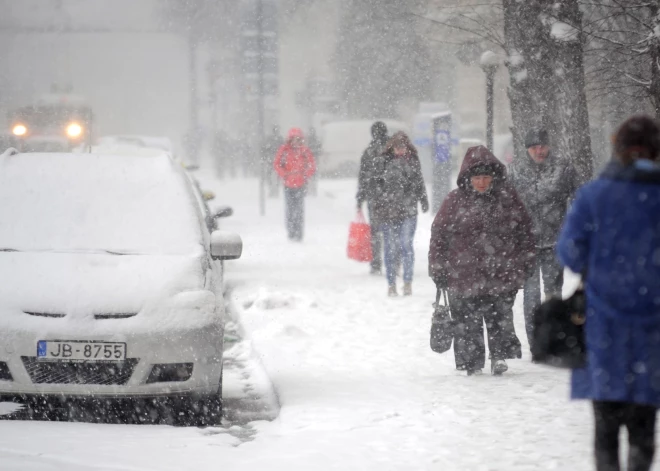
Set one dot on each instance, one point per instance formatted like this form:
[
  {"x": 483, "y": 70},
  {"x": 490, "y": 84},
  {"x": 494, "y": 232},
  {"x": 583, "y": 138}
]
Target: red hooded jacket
[
  {"x": 294, "y": 165},
  {"x": 481, "y": 244}
]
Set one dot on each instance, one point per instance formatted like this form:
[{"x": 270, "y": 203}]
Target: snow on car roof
[
  {"x": 96, "y": 203},
  {"x": 117, "y": 148},
  {"x": 160, "y": 142}
]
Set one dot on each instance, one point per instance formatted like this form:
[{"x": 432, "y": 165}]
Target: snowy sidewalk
[{"x": 357, "y": 382}]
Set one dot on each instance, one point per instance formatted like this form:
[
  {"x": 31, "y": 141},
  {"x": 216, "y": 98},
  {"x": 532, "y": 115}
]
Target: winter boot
[
  {"x": 391, "y": 292},
  {"x": 407, "y": 289},
  {"x": 375, "y": 271},
  {"x": 497, "y": 367}
]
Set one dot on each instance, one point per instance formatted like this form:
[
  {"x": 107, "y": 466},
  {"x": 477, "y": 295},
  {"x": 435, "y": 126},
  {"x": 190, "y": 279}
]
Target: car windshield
[{"x": 96, "y": 204}]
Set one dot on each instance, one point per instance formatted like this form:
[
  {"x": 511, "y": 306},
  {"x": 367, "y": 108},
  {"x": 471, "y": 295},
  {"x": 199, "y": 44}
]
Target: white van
[{"x": 345, "y": 141}]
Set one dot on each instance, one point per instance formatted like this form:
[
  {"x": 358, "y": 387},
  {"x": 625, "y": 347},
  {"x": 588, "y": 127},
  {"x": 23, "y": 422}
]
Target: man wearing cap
[
  {"x": 546, "y": 184},
  {"x": 368, "y": 191}
]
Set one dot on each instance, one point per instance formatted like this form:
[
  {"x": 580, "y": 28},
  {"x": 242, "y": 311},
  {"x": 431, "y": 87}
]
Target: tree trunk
[
  {"x": 530, "y": 90},
  {"x": 547, "y": 85},
  {"x": 571, "y": 99},
  {"x": 654, "y": 49}
]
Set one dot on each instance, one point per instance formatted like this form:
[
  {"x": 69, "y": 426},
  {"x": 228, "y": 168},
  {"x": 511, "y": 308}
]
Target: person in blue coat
[{"x": 612, "y": 236}]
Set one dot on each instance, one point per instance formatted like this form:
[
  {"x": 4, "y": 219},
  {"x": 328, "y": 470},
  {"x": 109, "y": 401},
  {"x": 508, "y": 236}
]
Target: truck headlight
[
  {"x": 19, "y": 130},
  {"x": 74, "y": 130}
]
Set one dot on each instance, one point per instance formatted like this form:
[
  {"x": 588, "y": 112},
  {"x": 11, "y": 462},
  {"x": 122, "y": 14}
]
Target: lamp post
[{"x": 489, "y": 63}]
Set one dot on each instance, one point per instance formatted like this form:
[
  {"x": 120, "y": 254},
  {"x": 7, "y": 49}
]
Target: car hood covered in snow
[{"x": 78, "y": 288}]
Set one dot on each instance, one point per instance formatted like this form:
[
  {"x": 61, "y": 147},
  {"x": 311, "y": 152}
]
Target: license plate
[{"x": 79, "y": 350}]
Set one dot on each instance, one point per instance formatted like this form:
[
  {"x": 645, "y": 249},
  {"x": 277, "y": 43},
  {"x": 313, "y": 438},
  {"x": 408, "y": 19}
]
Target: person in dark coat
[
  {"x": 481, "y": 252},
  {"x": 368, "y": 191},
  {"x": 269, "y": 150},
  {"x": 546, "y": 184},
  {"x": 295, "y": 165},
  {"x": 400, "y": 186},
  {"x": 612, "y": 236},
  {"x": 314, "y": 144}
]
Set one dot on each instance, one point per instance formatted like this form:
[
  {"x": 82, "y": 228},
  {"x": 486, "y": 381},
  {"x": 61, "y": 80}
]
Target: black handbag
[
  {"x": 558, "y": 338},
  {"x": 442, "y": 325}
]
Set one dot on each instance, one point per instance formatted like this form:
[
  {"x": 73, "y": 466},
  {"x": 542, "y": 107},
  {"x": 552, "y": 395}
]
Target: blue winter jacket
[{"x": 612, "y": 232}]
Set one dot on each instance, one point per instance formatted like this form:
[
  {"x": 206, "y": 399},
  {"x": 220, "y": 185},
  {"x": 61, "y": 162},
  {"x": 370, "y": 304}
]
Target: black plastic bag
[
  {"x": 442, "y": 326},
  {"x": 558, "y": 338}
]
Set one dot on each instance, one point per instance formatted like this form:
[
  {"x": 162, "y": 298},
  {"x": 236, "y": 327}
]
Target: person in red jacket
[{"x": 295, "y": 165}]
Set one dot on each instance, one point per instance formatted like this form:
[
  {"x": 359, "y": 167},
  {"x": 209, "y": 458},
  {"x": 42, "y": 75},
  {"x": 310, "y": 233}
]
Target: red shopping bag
[{"x": 359, "y": 240}]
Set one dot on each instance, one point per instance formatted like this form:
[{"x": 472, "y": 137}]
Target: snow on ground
[{"x": 358, "y": 386}]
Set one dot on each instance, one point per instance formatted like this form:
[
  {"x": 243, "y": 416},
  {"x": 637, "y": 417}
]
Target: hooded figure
[
  {"x": 481, "y": 252},
  {"x": 612, "y": 237},
  {"x": 295, "y": 165},
  {"x": 368, "y": 191}
]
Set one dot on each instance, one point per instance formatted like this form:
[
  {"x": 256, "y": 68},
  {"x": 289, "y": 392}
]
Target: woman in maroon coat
[{"x": 482, "y": 250}]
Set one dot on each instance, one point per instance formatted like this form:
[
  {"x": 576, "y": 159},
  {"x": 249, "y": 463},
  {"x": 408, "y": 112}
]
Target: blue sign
[
  {"x": 41, "y": 348},
  {"x": 442, "y": 142}
]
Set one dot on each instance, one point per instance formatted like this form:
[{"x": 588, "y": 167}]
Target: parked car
[
  {"x": 343, "y": 143},
  {"x": 111, "y": 282}
]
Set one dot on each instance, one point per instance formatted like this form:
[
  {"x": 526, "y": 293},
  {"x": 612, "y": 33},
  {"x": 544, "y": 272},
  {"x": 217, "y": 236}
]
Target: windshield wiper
[{"x": 9, "y": 250}]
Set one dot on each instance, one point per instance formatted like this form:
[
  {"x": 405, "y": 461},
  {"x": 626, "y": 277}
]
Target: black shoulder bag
[
  {"x": 442, "y": 325},
  {"x": 558, "y": 338}
]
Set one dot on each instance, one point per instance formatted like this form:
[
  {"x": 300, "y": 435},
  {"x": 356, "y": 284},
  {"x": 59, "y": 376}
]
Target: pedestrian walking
[
  {"x": 368, "y": 191},
  {"x": 545, "y": 183},
  {"x": 219, "y": 149},
  {"x": 295, "y": 165},
  {"x": 269, "y": 150},
  {"x": 400, "y": 184},
  {"x": 481, "y": 252},
  {"x": 314, "y": 144},
  {"x": 612, "y": 237}
]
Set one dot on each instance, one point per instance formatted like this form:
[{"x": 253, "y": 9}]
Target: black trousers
[
  {"x": 294, "y": 200},
  {"x": 640, "y": 422},
  {"x": 548, "y": 267},
  {"x": 469, "y": 314},
  {"x": 376, "y": 247}
]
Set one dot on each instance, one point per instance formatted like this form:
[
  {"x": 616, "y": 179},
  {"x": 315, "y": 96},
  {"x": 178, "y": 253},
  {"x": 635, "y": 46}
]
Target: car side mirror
[
  {"x": 226, "y": 245},
  {"x": 223, "y": 212}
]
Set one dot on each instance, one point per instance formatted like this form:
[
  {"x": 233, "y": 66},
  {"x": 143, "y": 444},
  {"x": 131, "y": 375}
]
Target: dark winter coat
[
  {"x": 612, "y": 233},
  {"x": 294, "y": 165},
  {"x": 367, "y": 184},
  {"x": 270, "y": 147},
  {"x": 546, "y": 190},
  {"x": 481, "y": 244},
  {"x": 398, "y": 187}
]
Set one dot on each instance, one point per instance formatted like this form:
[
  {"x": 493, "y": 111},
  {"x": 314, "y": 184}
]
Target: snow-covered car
[{"x": 110, "y": 282}]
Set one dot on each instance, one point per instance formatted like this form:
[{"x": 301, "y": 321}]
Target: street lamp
[{"x": 489, "y": 63}]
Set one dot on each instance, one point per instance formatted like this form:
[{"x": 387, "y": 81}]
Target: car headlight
[
  {"x": 19, "y": 130},
  {"x": 74, "y": 130}
]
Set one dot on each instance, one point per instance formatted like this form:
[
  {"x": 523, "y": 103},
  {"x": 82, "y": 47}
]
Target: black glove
[{"x": 425, "y": 204}]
